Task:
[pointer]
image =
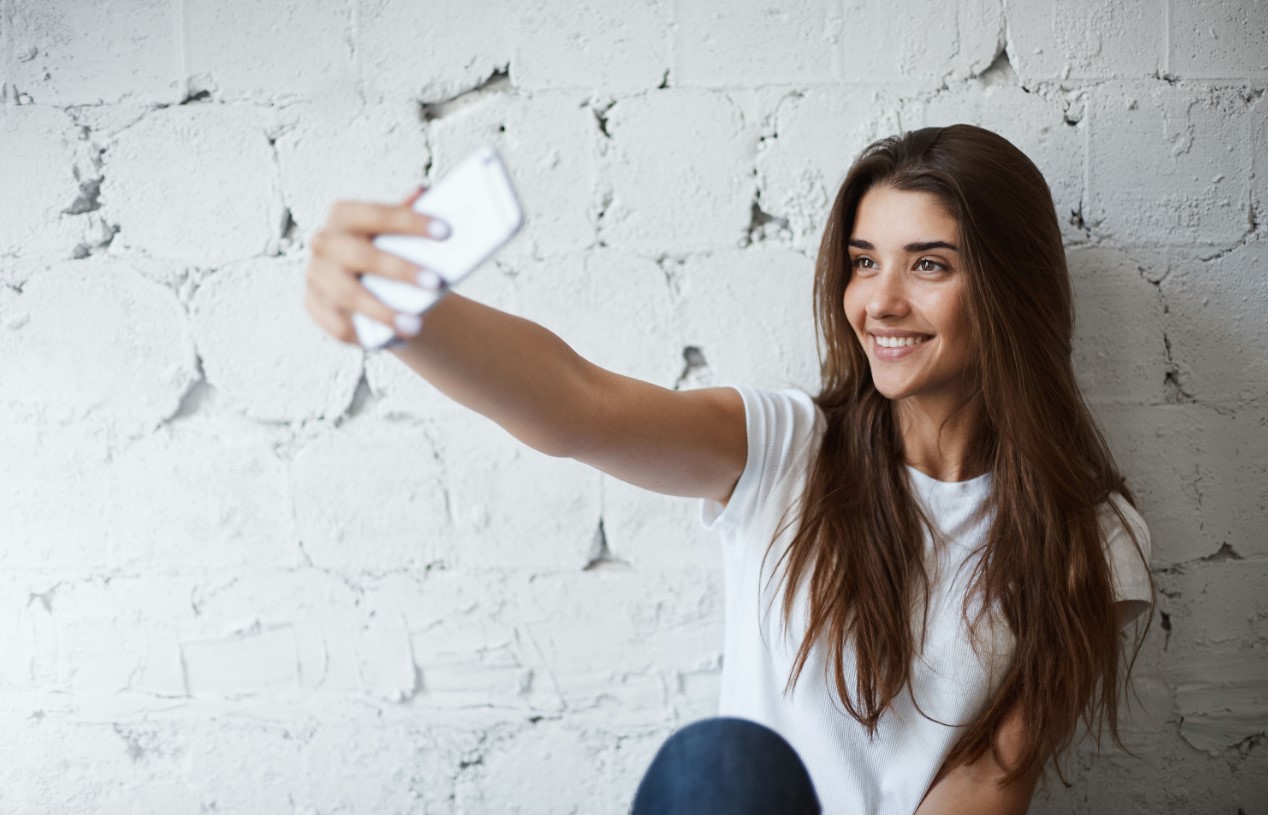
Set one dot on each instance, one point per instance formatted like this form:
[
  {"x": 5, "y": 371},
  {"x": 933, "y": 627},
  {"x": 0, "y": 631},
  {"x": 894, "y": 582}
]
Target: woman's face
[{"x": 905, "y": 297}]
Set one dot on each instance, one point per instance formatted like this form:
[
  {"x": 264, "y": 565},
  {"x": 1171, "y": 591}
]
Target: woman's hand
[{"x": 342, "y": 250}]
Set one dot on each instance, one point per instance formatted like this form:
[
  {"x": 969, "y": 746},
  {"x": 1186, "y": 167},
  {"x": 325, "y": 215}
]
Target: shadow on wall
[{"x": 1171, "y": 349}]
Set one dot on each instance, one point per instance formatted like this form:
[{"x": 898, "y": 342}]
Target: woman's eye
[
  {"x": 863, "y": 263},
  {"x": 927, "y": 265}
]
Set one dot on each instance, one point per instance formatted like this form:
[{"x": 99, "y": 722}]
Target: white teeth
[{"x": 898, "y": 342}]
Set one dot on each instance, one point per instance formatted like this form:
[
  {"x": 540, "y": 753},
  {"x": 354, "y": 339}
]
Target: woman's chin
[{"x": 893, "y": 391}]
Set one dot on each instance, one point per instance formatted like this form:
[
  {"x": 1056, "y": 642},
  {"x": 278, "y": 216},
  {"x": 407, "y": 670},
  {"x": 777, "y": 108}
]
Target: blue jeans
[{"x": 725, "y": 765}]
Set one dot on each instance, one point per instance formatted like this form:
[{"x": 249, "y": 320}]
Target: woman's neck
[{"x": 943, "y": 441}]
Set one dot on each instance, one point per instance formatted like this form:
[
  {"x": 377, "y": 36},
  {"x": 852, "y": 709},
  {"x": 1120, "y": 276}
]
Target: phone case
[{"x": 478, "y": 202}]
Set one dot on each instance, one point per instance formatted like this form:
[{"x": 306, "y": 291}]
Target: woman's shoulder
[
  {"x": 1125, "y": 537},
  {"x": 782, "y": 418},
  {"x": 1120, "y": 520},
  {"x": 791, "y": 398}
]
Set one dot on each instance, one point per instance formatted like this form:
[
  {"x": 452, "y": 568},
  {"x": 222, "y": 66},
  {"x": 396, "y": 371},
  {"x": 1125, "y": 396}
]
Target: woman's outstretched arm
[{"x": 524, "y": 377}]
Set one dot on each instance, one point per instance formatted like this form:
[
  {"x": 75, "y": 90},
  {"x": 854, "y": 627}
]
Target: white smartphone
[{"x": 478, "y": 202}]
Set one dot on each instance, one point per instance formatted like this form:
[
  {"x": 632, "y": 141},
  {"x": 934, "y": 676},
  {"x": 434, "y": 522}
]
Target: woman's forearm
[{"x": 504, "y": 367}]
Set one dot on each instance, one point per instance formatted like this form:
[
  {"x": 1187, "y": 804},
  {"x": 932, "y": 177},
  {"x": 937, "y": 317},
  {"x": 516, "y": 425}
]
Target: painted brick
[
  {"x": 195, "y": 183},
  {"x": 813, "y": 138},
  {"x": 431, "y": 52},
  {"x": 1168, "y": 166},
  {"x": 1259, "y": 164},
  {"x": 79, "y": 636},
  {"x": 16, "y": 640},
  {"x": 324, "y": 615},
  {"x": 248, "y": 662},
  {"x": 1234, "y": 486},
  {"x": 1220, "y": 39},
  {"x": 614, "y": 309},
  {"x": 407, "y": 764},
  {"x": 470, "y": 651},
  {"x": 608, "y": 649},
  {"x": 1199, "y": 475},
  {"x": 547, "y": 141},
  {"x": 749, "y": 328},
  {"x": 96, "y": 753},
  {"x": 928, "y": 43},
  {"x": 1154, "y": 786},
  {"x": 47, "y": 463},
  {"x": 1154, "y": 448},
  {"x": 1213, "y": 605},
  {"x": 1215, "y": 324},
  {"x": 177, "y": 507},
  {"x": 648, "y": 530},
  {"x": 617, "y": 47},
  {"x": 678, "y": 173},
  {"x": 262, "y": 350},
  {"x": 71, "y": 54},
  {"x": 382, "y": 148},
  {"x": 755, "y": 42},
  {"x": 517, "y": 509},
  {"x": 243, "y": 765},
  {"x": 1120, "y": 351},
  {"x": 93, "y": 340},
  {"x": 575, "y": 770},
  {"x": 40, "y": 169},
  {"x": 286, "y": 51},
  {"x": 370, "y": 497},
  {"x": 1086, "y": 39},
  {"x": 1222, "y": 700},
  {"x": 196, "y": 758}
]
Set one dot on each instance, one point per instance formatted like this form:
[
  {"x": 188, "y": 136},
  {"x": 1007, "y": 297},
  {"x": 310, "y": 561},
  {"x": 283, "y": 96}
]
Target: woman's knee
[{"x": 726, "y": 765}]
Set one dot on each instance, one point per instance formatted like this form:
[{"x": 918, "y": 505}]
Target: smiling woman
[
  {"x": 966, "y": 547},
  {"x": 927, "y": 562}
]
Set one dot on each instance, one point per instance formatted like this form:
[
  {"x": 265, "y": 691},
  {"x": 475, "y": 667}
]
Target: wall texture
[{"x": 244, "y": 568}]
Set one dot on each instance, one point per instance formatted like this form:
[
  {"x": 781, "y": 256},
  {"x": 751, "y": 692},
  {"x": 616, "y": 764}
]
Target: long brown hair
[{"x": 858, "y": 549}]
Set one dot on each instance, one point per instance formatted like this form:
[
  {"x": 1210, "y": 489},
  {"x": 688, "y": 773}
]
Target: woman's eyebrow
[
  {"x": 919, "y": 246},
  {"x": 925, "y": 246}
]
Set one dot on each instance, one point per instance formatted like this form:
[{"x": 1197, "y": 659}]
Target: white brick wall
[{"x": 246, "y": 569}]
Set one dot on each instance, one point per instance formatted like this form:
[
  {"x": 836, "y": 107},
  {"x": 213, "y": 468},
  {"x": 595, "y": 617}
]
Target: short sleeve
[
  {"x": 781, "y": 427},
  {"x": 1128, "y": 565}
]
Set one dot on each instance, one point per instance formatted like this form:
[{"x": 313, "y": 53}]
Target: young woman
[{"x": 928, "y": 563}]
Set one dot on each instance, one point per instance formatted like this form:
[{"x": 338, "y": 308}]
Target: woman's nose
[{"x": 888, "y": 297}]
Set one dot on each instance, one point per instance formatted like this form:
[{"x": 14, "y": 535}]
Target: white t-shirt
[{"x": 853, "y": 773}]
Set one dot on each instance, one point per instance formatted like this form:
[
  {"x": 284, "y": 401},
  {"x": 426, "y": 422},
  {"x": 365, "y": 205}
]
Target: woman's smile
[{"x": 891, "y": 346}]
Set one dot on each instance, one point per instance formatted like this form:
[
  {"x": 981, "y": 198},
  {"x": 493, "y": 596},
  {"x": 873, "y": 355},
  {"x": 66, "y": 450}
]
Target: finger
[
  {"x": 354, "y": 254},
  {"x": 329, "y": 319},
  {"x": 414, "y": 196},
  {"x": 368, "y": 218},
  {"x": 342, "y": 290},
  {"x": 323, "y": 279}
]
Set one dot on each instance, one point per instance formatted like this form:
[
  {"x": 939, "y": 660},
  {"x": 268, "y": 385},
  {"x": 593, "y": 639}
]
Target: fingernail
[
  {"x": 409, "y": 323},
  {"x": 438, "y": 229},
  {"x": 430, "y": 280}
]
